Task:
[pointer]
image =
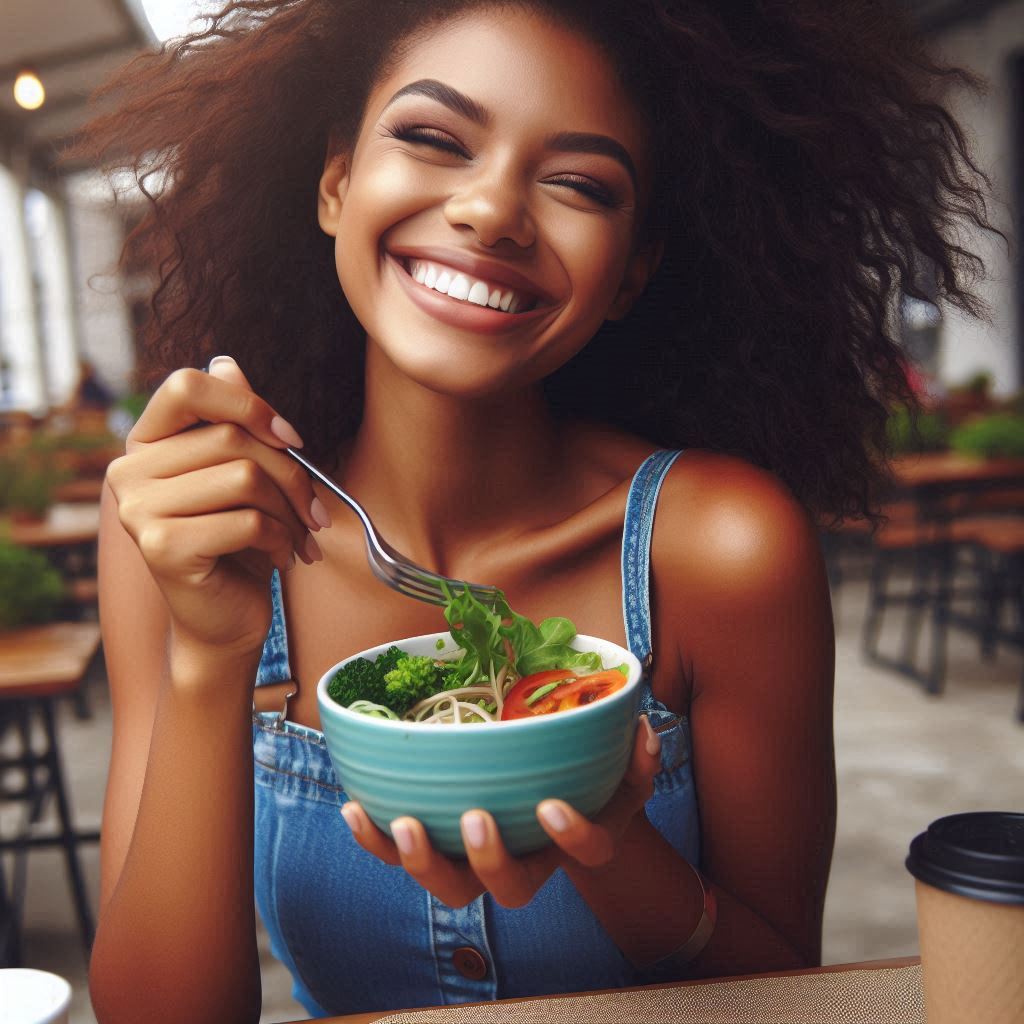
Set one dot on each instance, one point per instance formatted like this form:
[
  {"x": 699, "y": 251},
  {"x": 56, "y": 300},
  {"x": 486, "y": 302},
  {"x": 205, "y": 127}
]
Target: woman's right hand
[{"x": 214, "y": 505}]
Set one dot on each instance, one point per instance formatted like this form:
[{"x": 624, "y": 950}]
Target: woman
[{"x": 693, "y": 217}]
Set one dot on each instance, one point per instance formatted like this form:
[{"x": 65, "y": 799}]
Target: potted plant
[
  {"x": 31, "y": 590},
  {"x": 968, "y": 399},
  {"x": 27, "y": 484},
  {"x": 1000, "y": 435}
]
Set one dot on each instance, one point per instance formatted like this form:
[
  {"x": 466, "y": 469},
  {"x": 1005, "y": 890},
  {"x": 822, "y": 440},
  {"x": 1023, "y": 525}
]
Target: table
[
  {"x": 65, "y": 525},
  {"x": 892, "y": 982},
  {"x": 37, "y": 664},
  {"x": 958, "y": 522}
]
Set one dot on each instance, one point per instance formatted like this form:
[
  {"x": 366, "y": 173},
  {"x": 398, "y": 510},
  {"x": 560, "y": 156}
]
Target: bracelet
[{"x": 700, "y": 936}]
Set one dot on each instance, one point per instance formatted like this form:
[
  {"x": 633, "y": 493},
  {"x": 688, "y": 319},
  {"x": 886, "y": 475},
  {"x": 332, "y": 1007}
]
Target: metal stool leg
[{"x": 68, "y": 837}]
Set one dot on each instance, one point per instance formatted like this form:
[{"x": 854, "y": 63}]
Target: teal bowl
[{"x": 436, "y": 772}]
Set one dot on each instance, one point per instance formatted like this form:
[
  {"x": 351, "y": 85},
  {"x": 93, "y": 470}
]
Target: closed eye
[
  {"x": 433, "y": 137},
  {"x": 585, "y": 186}
]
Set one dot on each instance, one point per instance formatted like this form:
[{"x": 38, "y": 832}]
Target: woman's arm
[
  {"x": 176, "y": 938},
  {"x": 740, "y": 584},
  {"x": 195, "y": 517}
]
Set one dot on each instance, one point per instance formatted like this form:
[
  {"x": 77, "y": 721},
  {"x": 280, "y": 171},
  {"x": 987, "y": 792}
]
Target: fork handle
[{"x": 334, "y": 489}]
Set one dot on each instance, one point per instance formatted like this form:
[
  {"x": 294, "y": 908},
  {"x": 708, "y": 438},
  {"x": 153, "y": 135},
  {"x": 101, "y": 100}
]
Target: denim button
[{"x": 470, "y": 963}]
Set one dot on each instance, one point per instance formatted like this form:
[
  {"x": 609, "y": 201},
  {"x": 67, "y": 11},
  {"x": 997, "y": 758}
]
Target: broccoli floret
[
  {"x": 360, "y": 679},
  {"x": 396, "y": 680},
  {"x": 412, "y": 679},
  {"x": 389, "y": 660}
]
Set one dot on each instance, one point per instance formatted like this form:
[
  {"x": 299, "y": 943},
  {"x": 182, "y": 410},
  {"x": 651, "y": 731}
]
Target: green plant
[
  {"x": 1001, "y": 434},
  {"x": 929, "y": 432},
  {"x": 979, "y": 384},
  {"x": 133, "y": 403},
  {"x": 30, "y": 588},
  {"x": 28, "y": 480}
]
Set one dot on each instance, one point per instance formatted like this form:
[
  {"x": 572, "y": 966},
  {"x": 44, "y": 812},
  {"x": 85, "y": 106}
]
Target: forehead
[{"x": 524, "y": 68}]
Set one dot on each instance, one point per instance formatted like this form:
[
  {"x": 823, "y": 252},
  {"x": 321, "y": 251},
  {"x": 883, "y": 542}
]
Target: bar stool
[{"x": 37, "y": 665}]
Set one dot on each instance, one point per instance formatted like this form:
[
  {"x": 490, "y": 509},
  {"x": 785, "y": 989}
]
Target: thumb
[{"x": 226, "y": 369}]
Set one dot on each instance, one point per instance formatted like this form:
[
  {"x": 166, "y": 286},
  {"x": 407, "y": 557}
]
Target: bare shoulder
[
  {"x": 739, "y": 579},
  {"x": 732, "y": 527}
]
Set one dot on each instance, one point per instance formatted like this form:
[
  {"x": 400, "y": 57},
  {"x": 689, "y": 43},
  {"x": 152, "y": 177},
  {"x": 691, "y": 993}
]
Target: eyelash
[{"x": 440, "y": 140}]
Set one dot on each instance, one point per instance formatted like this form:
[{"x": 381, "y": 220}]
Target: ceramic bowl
[{"x": 435, "y": 772}]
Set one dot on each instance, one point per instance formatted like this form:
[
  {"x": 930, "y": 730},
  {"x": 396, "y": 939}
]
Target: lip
[
  {"x": 476, "y": 266},
  {"x": 465, "y": 315}
]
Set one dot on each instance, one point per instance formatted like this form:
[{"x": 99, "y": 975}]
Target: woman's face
[{"x": 486, "y": 219}]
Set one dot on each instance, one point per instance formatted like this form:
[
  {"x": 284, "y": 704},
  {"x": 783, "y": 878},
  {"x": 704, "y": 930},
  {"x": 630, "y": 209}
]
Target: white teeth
[
  {"x": 459, "y": 288},
  {"x": 463, "y": 288}
]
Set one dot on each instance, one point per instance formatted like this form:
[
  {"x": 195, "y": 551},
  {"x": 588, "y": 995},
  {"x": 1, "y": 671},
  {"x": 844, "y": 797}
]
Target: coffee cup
[
  {"x": 969, "y": 879},
  {"x": 28, "y": 996}
]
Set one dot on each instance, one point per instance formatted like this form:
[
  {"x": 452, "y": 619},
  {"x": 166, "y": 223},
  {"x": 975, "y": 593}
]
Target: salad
[{"x": 506, "y": 667}]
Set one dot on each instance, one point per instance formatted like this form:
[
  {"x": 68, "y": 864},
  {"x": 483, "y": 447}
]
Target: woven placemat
[{"x": 887, "y": 995}]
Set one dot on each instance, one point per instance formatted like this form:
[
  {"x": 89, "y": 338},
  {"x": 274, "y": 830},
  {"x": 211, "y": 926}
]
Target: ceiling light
[{"x": 28, "y": 90}]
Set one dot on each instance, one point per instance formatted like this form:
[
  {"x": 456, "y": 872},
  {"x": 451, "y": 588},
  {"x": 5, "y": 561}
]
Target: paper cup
[
  {"x": 33, "y": 997},
  {"x": 969, "y": 871}
]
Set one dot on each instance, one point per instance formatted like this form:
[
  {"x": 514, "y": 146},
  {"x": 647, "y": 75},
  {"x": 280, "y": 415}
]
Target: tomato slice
[{"x": 567, "y": 691}]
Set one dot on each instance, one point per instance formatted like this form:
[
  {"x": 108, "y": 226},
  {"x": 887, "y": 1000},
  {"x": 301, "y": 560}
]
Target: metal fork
[{"x": 390, "y": 566}]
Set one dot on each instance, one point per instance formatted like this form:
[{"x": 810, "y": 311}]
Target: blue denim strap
[
  {"x": 636, "y": 560},
  {"x": 274, "y": 666}
]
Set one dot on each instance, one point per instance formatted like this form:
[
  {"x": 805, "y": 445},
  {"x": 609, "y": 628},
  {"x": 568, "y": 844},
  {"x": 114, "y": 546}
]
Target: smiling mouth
[{"x": 462, "y": 287}]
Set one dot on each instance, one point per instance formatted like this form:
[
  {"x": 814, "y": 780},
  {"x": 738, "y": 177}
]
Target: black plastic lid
[{"x": 978, "y": 855}]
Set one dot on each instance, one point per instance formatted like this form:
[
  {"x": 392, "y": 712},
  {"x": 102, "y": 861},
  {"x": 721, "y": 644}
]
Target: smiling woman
[{"x": 499, "y": 263}]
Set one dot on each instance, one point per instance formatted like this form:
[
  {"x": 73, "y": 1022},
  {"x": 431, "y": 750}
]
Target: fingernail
[
  {"x": 351, "y": 816},
  {"x": 219, "y": 361},
  {"x": 403, "y": 837},
  {"x": 474, "y": 829},
  {"x": 290, "y": 564},
  {"x": 553, "y": 815},
  {"x": 653, "y": 743},
  {"x": 284, "y": 431},
  {"x": 313, "y": 552},
  {"x": 320, "y": 513}
]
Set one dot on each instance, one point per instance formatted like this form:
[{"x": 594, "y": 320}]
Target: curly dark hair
[{"x": 806, "y": 170}]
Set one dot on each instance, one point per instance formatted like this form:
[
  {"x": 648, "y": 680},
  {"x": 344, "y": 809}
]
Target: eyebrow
[{"x": 566, "y": 142}]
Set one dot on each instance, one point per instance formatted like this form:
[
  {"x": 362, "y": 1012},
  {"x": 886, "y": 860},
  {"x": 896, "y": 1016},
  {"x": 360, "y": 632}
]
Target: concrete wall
[{"x": 966, "y": 345}]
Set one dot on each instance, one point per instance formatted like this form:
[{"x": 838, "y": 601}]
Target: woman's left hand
[{"x": 513, "y": 881}]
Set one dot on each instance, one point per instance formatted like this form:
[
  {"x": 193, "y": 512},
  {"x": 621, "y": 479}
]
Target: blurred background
[{"x": 929, "y": 609}]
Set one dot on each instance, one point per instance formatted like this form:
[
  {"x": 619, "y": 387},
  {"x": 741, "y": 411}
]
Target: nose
[{"x": 493, "y": 205}]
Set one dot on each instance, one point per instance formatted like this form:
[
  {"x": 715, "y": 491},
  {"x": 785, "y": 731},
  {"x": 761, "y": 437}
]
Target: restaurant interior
[{"x": 928, "y": 607}]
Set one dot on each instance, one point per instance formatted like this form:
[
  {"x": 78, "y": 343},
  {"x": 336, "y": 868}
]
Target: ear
[
  {"x": 640, "y": 269},
  {"x": 331, "y": 192}
]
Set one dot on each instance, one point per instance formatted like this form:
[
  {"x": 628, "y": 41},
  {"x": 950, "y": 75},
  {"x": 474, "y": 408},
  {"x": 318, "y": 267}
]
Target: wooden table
[
  {"x": 368, "y": 1018},
  {"x": 939, "y": 468},
  {"x": 83, "y": 489},
  {"x": 65, "y": 525},
  {"x": 37, "y": 664}
]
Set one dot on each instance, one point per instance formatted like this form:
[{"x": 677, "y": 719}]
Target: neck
[{"x": 440, "y": 474}]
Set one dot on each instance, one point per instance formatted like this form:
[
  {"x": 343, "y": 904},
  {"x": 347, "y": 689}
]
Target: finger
[
  {"x": 368, "y": 836},
  {"x": 190, "y": 396},
  {"x": 645, "y": 760},
  {"x": 512, "y": 881},
  {"x": 226, "y": 368},
  {"x": 230, "y": 485},
  {"x": 189, "y": 548},
  {"x": 452, "y": 883},
  {"x": 214, "y": 445},
  {"x": 590, "y": 842}
]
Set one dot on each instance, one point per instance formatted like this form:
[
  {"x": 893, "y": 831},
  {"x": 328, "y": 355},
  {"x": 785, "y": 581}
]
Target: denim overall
[{"x": 359, "y": 935}]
